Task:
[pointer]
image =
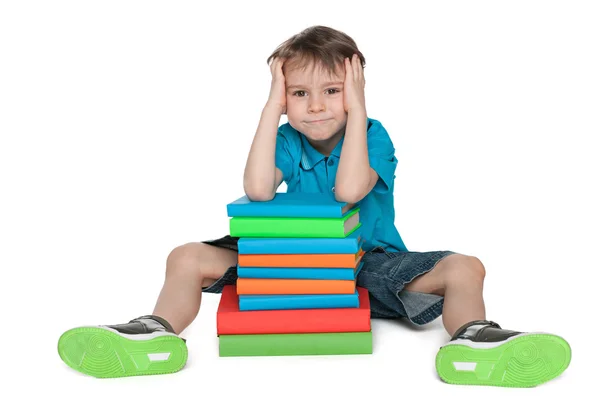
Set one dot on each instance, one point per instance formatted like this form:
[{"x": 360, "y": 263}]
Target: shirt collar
[{"x": 311, "y": 156}]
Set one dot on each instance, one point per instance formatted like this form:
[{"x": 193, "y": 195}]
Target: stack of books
[{"x": 296, "y": 292}]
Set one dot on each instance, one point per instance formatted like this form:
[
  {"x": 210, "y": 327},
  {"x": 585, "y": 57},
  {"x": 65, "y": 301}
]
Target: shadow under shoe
[
  {"x": 145, "y": 345},
  {"x": 482, "y": 353}
]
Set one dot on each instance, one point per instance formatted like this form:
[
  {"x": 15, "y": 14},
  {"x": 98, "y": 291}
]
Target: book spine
[
  {"x": 294, "y": 286},
  {"x": 294, "y": 321},
  {"x": 259, "y": 210},
  {"x": 297, "y": 247},
  {"x": 296, "y": 273},
  {"x": 298, "y": 260},
  {"x": 249, "y": 303},
  {"x": 289, "y": 345},
  {"x": 292, "y": 228}
]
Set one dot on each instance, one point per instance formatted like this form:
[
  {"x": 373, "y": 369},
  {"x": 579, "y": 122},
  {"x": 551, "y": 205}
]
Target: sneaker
[
  {"x": 482, "y": 353},
  {"x": 144, "y": 346}
]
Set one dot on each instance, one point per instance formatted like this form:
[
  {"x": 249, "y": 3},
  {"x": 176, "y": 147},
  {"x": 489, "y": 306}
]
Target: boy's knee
[
  {"x": 477, "y": 266},
  {"x": 461, "y": 268},
  {"x": 185, "y": 259}
]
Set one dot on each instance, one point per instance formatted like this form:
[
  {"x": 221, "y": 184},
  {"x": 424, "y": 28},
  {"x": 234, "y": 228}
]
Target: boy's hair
[{"x": 318, "y": 45}]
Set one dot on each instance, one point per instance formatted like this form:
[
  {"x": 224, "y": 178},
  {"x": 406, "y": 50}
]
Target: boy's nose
[{"x": 316, "y": 105}]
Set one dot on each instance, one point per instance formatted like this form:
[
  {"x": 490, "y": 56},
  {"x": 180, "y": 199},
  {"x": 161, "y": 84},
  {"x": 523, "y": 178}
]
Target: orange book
[
  {"x": 301, "y": 260},
  {"x": 294, "y": 286}
]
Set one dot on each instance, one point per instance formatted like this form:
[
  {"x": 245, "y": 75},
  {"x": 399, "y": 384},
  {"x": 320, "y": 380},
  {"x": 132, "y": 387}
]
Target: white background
[{"x": 125, "y": 130}]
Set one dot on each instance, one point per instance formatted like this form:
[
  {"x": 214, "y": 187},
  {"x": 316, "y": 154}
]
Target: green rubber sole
[
  {"x": 104, "y": 354},
  {"x": 525, "y": 361}
]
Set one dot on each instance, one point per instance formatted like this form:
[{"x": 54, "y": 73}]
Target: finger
[
  {"x": 276, "y": 69},
  {"x": 280, "y": 63},
  {"x": 361, "y": 71},
  {"x": 348, "y": 66},
  {"x": 356, "y": 65}
]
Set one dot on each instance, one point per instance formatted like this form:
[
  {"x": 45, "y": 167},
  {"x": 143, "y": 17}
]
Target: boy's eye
[{"x": 302, "y": 93}]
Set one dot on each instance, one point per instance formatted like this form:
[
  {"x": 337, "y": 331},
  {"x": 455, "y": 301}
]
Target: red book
[{"x": 232, "y": 321}]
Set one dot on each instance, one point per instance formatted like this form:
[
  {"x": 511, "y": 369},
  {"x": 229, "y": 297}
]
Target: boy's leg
[
  {"x": 481, "y": 352},
  {"x": 150, "y": 344},
  {"x": 459, "y": 278},
  {"x": 190, "y": 268}
]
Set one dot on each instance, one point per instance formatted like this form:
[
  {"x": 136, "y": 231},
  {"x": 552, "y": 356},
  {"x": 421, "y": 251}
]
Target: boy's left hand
[{"x": 354, "y": 85}]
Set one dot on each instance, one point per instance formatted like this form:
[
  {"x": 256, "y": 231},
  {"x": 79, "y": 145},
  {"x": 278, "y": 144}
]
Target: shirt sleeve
[
  {"x": 283, "y": 156},
  {"x": 381, "y": 157}
]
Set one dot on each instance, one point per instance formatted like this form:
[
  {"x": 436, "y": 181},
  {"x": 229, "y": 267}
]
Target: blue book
[
  {"x": 299, "y": 273},
  {"x": 291, "y": 205},
  {"x": 351, "y": 244},
  {"x": 251, "y": 302}
]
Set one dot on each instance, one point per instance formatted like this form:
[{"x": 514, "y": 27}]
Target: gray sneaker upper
[
  {"x": 143, "y": 325},
  {"x": 483, "y": 331}
]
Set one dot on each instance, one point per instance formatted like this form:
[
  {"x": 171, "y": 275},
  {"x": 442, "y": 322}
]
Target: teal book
[
  {"x": 299, "y": 273},
  {"x": 350, "y": 244},
  {"x": 280, "y": 227},
  {"x": 301, "y": 344},
  {"x": 291, "y": 205},
  {"x": 252, "y": 302}
]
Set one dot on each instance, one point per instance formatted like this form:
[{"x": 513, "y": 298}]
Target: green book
[
  {"x": 296, "y": 344},
  {"x": 294, "y": 227}
]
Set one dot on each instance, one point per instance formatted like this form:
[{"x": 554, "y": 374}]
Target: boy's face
[{"x": 315, "y": 105}]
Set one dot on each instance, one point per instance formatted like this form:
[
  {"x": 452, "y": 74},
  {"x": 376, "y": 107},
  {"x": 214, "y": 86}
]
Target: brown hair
[{"x": 318, "y": 45}]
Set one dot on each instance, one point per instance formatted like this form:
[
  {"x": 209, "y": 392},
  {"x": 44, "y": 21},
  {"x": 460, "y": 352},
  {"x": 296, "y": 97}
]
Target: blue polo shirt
[{"x": 307, "y": 170}]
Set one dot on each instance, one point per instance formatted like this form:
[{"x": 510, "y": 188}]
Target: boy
[{"x": 328, "y": 145}]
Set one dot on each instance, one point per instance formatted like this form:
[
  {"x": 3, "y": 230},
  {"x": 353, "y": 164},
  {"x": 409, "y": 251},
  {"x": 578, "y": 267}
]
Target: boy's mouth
[{"x": 318, "y": 121}]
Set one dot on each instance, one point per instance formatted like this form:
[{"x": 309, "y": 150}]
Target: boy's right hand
[{"x": 277, "y": 94}]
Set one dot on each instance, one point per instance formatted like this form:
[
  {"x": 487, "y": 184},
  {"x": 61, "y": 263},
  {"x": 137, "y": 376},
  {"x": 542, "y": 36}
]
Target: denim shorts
[{"x": 384, "y": 274}]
